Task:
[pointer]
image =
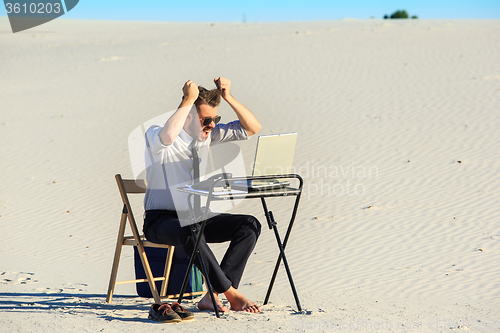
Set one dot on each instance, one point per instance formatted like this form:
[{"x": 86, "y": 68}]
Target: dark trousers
[{"x": 161, "y": 226}]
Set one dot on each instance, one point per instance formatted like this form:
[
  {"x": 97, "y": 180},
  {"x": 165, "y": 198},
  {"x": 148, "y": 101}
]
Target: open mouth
[{"x": 206, "y": 131}]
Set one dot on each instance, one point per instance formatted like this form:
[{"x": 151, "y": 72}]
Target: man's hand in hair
[
  {"x": 190, "y": 91},
  {"x": 223, "y": 85}
]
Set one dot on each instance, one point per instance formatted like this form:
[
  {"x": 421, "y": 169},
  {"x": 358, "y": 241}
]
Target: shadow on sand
[{"x": 76, "y": 304}]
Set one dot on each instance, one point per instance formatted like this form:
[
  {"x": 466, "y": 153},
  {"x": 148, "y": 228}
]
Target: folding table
[{"x": 198, "y": 224}]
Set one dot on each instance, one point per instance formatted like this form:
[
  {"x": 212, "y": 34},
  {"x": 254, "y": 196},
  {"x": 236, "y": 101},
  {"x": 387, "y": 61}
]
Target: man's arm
[
  {"x": 174, "y": 124},
  {"x": 245, "y": 116}
]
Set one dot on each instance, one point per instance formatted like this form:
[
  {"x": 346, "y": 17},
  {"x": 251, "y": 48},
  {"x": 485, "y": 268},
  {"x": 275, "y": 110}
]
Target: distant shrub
[{"x": 400, "y": 14}]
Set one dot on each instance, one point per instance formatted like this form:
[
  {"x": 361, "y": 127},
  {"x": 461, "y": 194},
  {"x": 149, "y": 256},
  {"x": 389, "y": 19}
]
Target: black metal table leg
[
  {"x": 195, "y": 253},
  {"x": 273, "y": 225}
]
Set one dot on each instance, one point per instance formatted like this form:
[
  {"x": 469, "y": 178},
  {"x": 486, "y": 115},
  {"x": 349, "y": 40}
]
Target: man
[{"x": 171, "y": 150}]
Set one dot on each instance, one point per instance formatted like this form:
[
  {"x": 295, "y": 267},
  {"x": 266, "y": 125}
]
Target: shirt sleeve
[
  {"x": 228, "y": 132},
  {"x": 153, "y": 141}
]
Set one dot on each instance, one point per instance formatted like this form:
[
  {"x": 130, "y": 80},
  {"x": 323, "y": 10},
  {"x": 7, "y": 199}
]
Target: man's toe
[{"x": 252, "y": 308}]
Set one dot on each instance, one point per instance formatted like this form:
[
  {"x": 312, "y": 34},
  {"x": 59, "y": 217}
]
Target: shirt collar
[{"x": 188, "y": 139}]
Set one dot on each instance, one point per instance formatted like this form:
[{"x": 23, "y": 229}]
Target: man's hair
[{"x": 211, "y": 97}]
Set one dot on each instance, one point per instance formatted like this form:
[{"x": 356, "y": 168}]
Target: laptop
[{"x": 274, "y": 156}]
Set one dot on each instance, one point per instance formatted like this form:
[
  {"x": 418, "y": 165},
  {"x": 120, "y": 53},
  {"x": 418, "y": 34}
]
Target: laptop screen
[{"x": 274, "y": 154}]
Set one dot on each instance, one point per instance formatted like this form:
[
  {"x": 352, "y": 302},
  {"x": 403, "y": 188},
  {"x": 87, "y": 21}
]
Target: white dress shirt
[{"x": 171, "y": 166}]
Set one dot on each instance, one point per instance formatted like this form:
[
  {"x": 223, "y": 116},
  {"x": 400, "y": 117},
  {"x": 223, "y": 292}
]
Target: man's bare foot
[
  {"x": 239, "y": 302},
  {"x": 206, "y": 304}
]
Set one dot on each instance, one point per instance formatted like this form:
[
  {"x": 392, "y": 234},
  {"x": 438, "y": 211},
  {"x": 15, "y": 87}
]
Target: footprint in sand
[
  {"x": 17, "y": 278},
  {"x": 69, "y": 287}
]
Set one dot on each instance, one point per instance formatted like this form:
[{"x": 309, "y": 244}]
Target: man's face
[{"x": 198, "y": 131}]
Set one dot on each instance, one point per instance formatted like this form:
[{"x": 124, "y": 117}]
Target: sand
[{"x": 398, "y": 227}]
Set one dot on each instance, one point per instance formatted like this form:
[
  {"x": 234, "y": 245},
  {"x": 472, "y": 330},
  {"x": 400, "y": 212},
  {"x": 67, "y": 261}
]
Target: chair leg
[
  {"x": 149, "y": 273},
  {"x": 116, "y": 260},
  {"x": 144, "y": 258},
  {"x": 166, "y": 274}
]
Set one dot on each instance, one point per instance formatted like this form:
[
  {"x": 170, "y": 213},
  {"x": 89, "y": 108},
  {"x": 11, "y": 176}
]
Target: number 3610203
[{"x": 33, "y": 8}]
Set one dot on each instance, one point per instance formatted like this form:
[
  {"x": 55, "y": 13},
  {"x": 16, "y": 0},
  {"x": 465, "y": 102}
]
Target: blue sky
[{"x": 278, "y": 10}]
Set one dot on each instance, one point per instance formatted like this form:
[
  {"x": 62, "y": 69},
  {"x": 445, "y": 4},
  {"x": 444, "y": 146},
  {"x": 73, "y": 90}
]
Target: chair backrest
[
  {"x": 134, "y": 185},
  {"x": 127, "y": 186}
]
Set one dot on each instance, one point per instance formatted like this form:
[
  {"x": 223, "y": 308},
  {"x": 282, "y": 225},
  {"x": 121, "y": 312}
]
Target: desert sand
[{"x": 398, "y": 227}]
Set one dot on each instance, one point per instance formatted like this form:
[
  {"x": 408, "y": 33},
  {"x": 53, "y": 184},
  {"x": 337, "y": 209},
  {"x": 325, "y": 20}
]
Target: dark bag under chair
[{"x": 180, "y": 262}]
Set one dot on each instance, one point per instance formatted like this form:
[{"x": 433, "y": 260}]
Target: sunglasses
[{"x": 207, "y": 121}]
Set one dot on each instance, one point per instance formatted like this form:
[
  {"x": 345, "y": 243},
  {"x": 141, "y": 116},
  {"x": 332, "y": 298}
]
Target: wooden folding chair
[{"x": 132, "y": 186}]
